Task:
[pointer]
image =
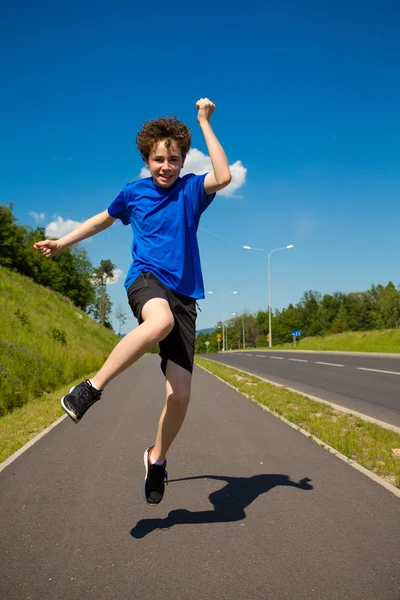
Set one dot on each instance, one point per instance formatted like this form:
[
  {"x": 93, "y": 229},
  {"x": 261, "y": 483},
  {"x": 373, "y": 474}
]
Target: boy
[{"x": 165, "y": 277}]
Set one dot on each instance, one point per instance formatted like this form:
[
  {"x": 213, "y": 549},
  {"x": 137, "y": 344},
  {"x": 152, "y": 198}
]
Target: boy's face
[{"x": 164, "y": 163}]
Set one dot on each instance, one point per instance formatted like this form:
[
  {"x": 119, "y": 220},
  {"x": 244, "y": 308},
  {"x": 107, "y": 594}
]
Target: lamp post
[
  {"x": 269, "y": 282},
  {"x": 222, "y": 314}
]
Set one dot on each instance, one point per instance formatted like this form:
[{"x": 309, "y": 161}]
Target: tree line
[
  {"x": 70, "y": 272},
  {"x": 315, "y": 314}
]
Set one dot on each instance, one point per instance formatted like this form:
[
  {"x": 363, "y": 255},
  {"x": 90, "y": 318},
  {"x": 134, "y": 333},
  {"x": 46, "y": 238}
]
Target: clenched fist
[
  {"x": 205, "y": 109},
  {"x": 48, "y": 248}
]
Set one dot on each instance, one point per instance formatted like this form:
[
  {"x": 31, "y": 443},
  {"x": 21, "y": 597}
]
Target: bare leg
[
  {"x": 178, "y": 382},
  {"x": 158, "y": 321}
]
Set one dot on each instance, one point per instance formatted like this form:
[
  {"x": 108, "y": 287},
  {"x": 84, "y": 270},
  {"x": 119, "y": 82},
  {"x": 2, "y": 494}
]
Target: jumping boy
[{"x": 165, "y": 277}]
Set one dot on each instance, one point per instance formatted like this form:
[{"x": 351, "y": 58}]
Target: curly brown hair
[{"x": 166, "y": 128}]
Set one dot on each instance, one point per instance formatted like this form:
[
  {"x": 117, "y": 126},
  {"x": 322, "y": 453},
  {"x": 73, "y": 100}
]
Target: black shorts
[{"x": 178, "y": 346}]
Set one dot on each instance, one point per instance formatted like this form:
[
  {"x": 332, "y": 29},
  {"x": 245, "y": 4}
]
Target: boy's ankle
[
  {"x": 154, "y": 459},
  {"x": 96, "y": 384}
]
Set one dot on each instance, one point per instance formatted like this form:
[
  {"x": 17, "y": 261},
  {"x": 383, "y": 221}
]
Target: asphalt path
[
  {"x": 367, "y": 384},
  {"x": 254, "y": 509}
]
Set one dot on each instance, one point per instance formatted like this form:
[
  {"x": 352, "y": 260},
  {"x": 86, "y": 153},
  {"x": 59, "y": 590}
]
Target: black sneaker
[
  {"x": 154, "y": 481},
  {"x": 80, "y": 398}
]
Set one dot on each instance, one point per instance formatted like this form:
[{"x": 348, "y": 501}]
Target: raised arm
[
  {"x": 50, "y": 248},
  {"x": 220, "y": 176}
]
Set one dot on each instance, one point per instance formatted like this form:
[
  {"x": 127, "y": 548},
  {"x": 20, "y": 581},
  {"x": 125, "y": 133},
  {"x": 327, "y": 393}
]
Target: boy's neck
[{"x": 160, "y": 187}]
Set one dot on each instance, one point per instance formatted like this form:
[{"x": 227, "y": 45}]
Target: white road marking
[
  {"x": 261, "y": 356},
  {"x": 378, "y": 371},
  {"x": 298, "y": 360},
  {"x": 329, "y": 364},
  {"x": 277, "y": 357}
]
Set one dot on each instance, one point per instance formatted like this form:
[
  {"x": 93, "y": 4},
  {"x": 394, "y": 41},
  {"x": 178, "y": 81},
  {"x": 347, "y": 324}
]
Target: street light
[
  {"x": 269, "y": 282},
  {"x": 222, "y": 314}
]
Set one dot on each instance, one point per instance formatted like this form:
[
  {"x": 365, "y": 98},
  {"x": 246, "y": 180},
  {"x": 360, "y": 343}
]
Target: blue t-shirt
[{"x": 164, "y": 223}]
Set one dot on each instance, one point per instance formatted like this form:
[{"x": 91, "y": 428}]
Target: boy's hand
[
  {"x": 48, "y": 248},
  {"x": 205, "y": 108}
]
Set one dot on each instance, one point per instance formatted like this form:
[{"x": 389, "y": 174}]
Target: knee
[
  {"x": 178, "y": 400},
  {"x": 162, "y": 326}
]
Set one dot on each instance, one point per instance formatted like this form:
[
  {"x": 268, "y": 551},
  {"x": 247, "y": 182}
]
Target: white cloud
[
  {"x": 199, "y": 163},
  {"x": 59, "y": 227},
  {"x": 196, "y": 162},
  {"x": 117, "y": 274},
  {"x": 144, "y": 172},
  {"x": 239, "y": 173},
  {"x": 38, "y": 217}
]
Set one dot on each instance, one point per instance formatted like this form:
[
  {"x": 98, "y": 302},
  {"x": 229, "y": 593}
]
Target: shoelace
[
  {"x": 82, "y": 397},
  {"x": 95, "y": 392}
]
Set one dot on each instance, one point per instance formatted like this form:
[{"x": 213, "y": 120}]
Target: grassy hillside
[
  {"x": 45, "y": 341},
  {"x": 387, "y": 340}
]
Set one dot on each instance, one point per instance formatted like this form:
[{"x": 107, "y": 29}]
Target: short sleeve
[
  {"x": 200, "y": 199},
  {"x": 118, "y": 209}
]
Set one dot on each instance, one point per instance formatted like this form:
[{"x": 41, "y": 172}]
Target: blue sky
[{"x": 307, "y": 96}]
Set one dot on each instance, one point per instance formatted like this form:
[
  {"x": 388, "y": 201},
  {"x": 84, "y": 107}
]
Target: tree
[
  {"x": 340, "y": 323},
  {"x": 68, "y": 273},
  {"x": 389, "y": 306},
  {"x": 201, "y": 339},
  {"x": 100, "y": 275},
  {"x": 200, "y": 343},
  {"x": 321, "y": 320},
  {"x": 308, "y": 311},
  {"x": 331, "y": 305},
  {"x": 102, "y": 301},
  {"x": 120, "y": 315},
  {"x": 79, "y": 286},
  {"x": 284, "y": 323},
  {"x": 377, "y": 308},
  {"x": 12, "y": 239},
  {"x": 359, "y": 311},
  {"x": 252, "y": 331}
]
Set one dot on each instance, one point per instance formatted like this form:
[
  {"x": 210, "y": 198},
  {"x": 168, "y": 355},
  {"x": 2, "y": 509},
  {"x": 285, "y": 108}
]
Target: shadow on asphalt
[{"x": 229, "y": 502}]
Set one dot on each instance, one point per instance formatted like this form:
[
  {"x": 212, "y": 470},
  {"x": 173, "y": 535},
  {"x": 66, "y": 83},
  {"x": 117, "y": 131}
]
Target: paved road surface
[
  {"x": 366, "y": 384},
  {"x": 254, "y": 509}
]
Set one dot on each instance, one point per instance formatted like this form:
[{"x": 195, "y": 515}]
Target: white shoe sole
[{"x": 67, "y": 410}]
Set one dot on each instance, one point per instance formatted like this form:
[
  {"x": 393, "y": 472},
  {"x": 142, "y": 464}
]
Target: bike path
[{"x": 253, "y": 509}]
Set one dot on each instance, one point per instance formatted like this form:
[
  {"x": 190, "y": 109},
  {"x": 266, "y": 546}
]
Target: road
[
  {"x": 253, "y": 509},
  {"x": 363, "y": 383}
]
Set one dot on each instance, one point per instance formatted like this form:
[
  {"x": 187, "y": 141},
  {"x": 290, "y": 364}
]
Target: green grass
[
  {"x": 33, "y": 361},
  {"x": 365, "y": 443},
  {"x": 22, "y": 424},
  {"x": 387, "y": 340}
]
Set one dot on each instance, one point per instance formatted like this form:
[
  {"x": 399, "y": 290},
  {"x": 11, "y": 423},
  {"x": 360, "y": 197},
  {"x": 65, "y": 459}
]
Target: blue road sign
[{"x": 296, "y": 333}]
